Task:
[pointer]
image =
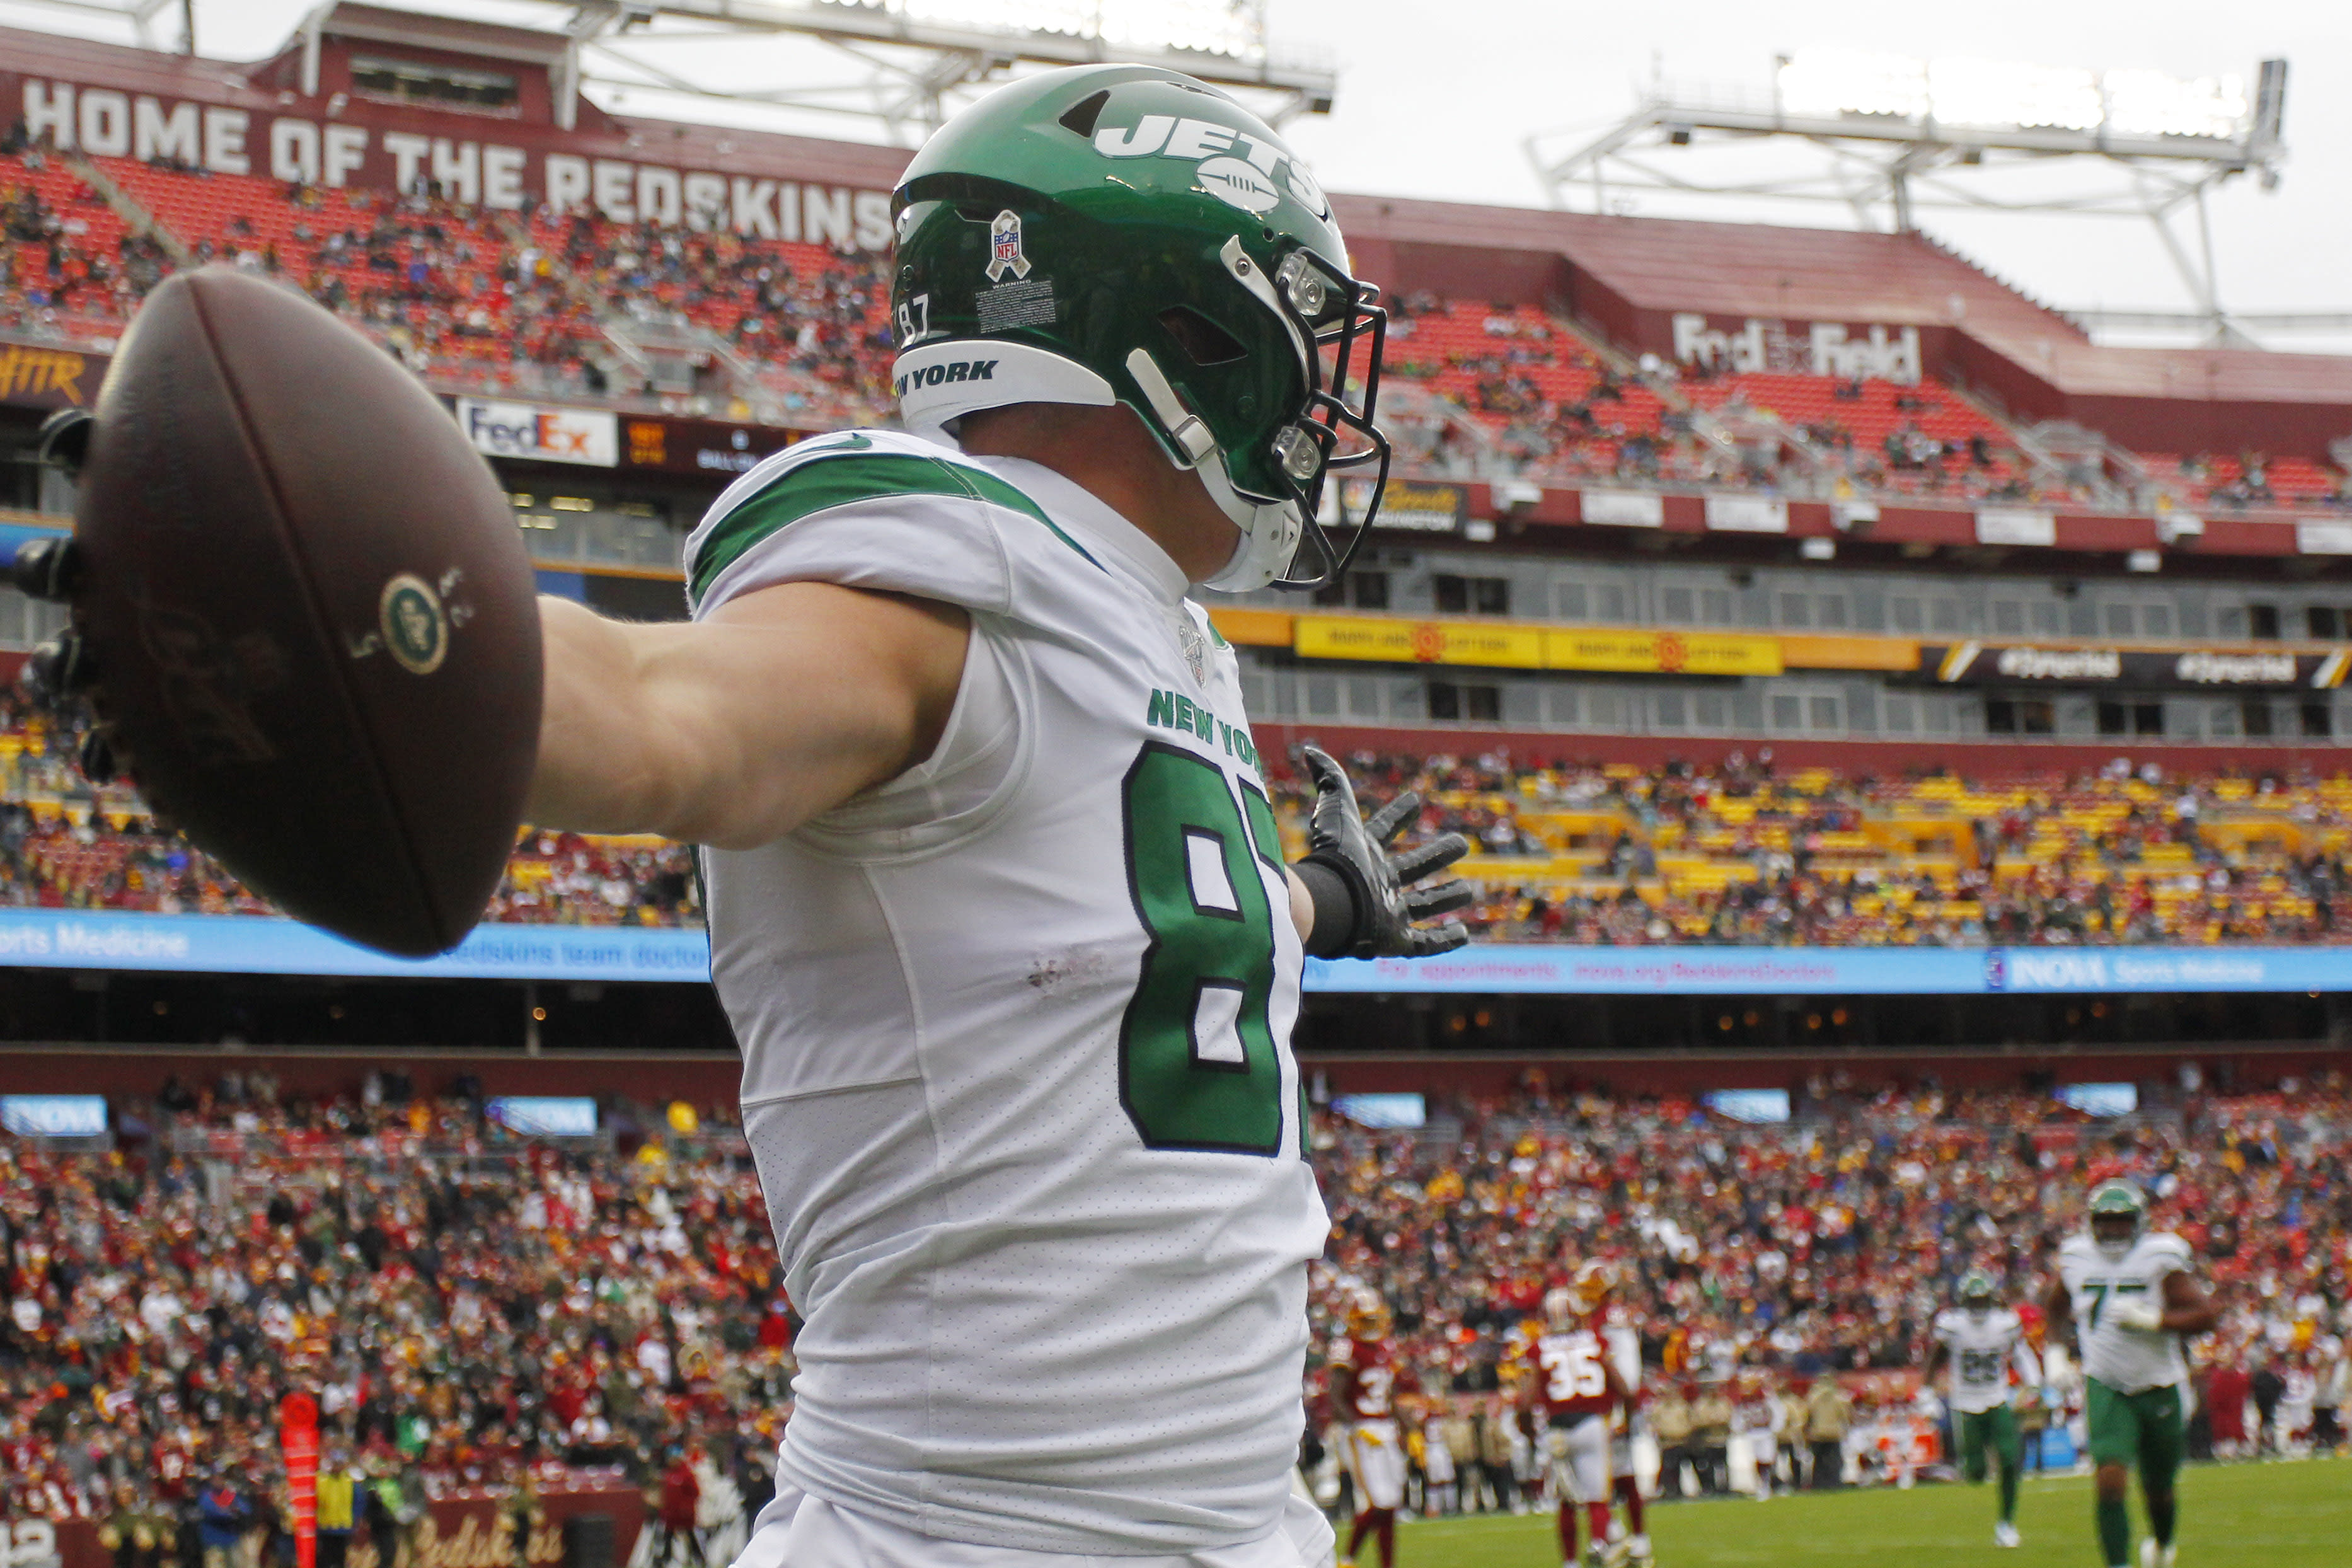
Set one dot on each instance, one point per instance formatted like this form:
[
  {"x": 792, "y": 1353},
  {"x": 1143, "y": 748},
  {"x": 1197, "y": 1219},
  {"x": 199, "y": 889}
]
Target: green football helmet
[
  {"x": 1116, "y": 234},
  {"x": 1977, "y": 1292},
  {"x": 2118, "y": 1216}
]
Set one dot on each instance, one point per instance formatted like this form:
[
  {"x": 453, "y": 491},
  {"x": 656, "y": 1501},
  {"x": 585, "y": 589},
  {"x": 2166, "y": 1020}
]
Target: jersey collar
[{"x": 1076, "y": 506}]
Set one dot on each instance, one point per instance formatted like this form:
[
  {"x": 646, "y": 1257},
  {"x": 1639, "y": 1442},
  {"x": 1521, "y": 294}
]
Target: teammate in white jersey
[
  {"x": 1982, "y": 1343},
  {"x": 2131, "y": 1298},
  {"x": 997, "y": 906}
]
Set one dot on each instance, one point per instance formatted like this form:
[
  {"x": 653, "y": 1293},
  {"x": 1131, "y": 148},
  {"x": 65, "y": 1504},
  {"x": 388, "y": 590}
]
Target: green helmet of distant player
[
  {"x": 1116, "y": 234},
  {"x": 2118, "y": 1216},
  {"x": 1976, "y": 1293}
]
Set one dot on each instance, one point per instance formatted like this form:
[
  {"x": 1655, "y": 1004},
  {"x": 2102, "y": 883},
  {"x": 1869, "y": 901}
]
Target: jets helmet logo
[
  {"x": 1004, "y": 248},
  {"x": 1244, "y": 171}
]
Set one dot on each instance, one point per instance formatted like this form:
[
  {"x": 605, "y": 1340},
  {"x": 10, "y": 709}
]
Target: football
[{"x": 310, "y": 617}]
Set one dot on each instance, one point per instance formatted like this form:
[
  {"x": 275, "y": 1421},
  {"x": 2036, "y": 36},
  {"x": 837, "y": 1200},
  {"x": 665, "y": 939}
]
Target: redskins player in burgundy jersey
[
  {"x": 1577, "y": 1388},
  {"x": 1366, "y": 1377}
]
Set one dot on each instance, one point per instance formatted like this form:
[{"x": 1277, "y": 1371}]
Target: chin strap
[
  {"x": 1185, "y": 429},
  {"x": 1270, "y": 530}
]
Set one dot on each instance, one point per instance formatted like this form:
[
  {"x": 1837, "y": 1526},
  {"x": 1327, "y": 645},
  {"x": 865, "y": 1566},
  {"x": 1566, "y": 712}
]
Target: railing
[{"x": 396, "y": 1145}]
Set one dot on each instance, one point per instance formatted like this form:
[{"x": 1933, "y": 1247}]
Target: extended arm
[
  {"x": 736, "y": 729},
  {"x": 1615, "y": 1381},
  {"x": 1937, "y": 1357},
  {"x": 1343, "y": 1392},
  {"x": 1349, "y": 897},
  {"x": 2060, "y": 1305},
  {"x": 2188, "y": 1310}
]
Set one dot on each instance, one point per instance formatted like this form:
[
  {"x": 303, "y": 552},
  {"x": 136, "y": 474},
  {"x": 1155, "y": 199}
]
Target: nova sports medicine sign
[{"x": 241, "y": 944}]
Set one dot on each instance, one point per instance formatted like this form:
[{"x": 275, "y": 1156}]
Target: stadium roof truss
[
  {"x": 141, "y": 15},
  {"x": 1885, "y": 167},
  {"x": 904, "y": 64}
]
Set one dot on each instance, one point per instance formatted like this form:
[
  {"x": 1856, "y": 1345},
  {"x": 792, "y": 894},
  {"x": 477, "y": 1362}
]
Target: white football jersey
[
  {"x": 2126, "y": 1360},
  {"x": 1015, "y": 1030},
  {"x": 1625, "y": 1349},
  {"x": 1984, "y": 1350}
]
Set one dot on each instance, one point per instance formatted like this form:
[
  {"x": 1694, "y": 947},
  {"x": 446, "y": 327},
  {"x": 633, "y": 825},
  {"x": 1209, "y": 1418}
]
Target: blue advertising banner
[
  {"x": 249, "y": 944},
  {"x": 73, "y": 939},
  {"x": 1839, "y": 971}
]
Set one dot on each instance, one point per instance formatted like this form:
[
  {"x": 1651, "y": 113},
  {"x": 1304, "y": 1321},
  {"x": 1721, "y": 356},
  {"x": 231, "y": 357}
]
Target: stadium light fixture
[
  {"x": 1885, "y": 136},
  {"x": 914, "y": 60},
  {"x": 1958, "y": 91},
  {"x": 1205, "y": 27},
  {"x": 901, "y": 64}
]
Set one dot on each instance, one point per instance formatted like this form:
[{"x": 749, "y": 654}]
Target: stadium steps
[
  {"x": 134, "y": 216},
  {"x": 2049, "y": 468}
]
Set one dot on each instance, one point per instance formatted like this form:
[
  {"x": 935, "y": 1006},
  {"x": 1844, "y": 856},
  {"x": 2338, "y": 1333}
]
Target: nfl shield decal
[
  {"x": 1004, "y": 248},
  {"x": 1194, "y": 646}
]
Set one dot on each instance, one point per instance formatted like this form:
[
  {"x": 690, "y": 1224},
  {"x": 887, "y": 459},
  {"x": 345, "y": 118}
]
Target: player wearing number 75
[
  {"x": 2132, "y": 1299},
  {"x": 997, "y": 905}
]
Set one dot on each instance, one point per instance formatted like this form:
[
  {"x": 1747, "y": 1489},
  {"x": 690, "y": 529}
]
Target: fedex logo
[{"x": 544, "y": 434}]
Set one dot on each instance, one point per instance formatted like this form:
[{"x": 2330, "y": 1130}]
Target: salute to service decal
[
  {"x": 1026, "y": 302},
  {"x": 1004, "y": 248}
]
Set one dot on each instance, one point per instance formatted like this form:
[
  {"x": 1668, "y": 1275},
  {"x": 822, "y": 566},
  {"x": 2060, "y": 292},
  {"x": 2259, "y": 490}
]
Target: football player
[
  {"x": 1627, "y": 1420},
  {"x": 997, "y": 906},
  {"x": 1365, "y": 1377},
  {"x": 1982, "y": 1343},
  {"x": 1577, "y": 1387},
  {"x": 2131, "y": 1298}
]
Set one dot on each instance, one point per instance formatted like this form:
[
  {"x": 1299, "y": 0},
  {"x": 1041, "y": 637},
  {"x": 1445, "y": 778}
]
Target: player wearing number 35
[{"x": 997, "y": 906}]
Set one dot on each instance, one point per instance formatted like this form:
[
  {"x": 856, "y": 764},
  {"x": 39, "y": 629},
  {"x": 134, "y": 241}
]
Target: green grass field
[{"x": 2293, "y": 1514}]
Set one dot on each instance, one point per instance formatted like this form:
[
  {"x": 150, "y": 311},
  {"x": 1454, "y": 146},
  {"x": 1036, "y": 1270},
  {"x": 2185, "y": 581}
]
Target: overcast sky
[{"x": 1438, "y": 97}]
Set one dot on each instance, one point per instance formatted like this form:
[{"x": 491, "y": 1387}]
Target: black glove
[{"x": 1361, "y": 907}]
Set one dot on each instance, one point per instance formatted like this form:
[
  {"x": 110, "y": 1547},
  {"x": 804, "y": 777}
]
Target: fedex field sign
[{"x": 542, "y": 434}]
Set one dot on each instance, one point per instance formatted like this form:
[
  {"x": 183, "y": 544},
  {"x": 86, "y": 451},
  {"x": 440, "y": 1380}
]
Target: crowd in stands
[
  {"x": 1738, "y": 854},
  {"x": 1745, "y": 853},
  {"x": 466, "y": 1305},
  {"x": 461, "y": 1305},
  {"x": 470, "y": 299},
  {"x": 796, "y": 332},
  {"x": 815, "y": 325},
  {"x": 1511, "y": 386},
  {"x": 66, "y": 844},
  {"x": 69, "y": 265},
  {"x": 1754, "y": 1261}
]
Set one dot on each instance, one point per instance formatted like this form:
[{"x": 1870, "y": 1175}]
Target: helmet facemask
[
  {"x": 1275, "y": 497},
  {"x": 1331, "y": 314},
  {"x": 2118, "y": 1217}
]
